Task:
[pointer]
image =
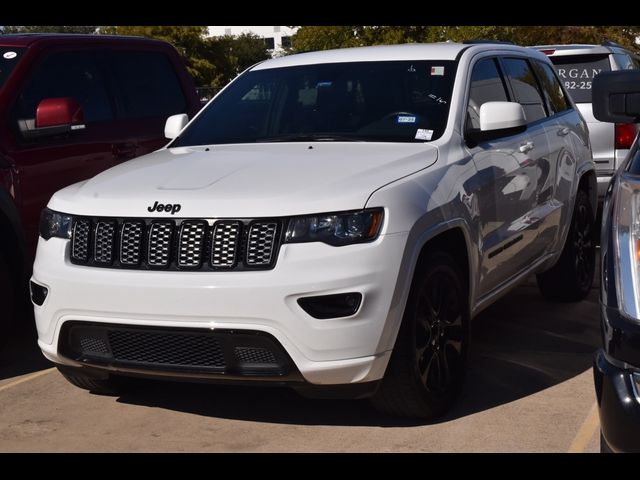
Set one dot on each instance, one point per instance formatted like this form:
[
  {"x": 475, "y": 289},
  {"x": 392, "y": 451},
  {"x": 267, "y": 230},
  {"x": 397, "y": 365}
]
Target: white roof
[{"x": 410, "y": 51}]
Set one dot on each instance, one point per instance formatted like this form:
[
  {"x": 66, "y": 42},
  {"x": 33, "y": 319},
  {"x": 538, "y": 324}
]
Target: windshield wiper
[{"x": 310, "y": 137}]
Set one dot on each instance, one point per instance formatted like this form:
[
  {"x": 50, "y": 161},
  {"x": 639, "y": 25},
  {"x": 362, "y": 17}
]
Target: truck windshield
[
  {"x": 9, "y": 58},
  {"x": 387, "y": 101}
]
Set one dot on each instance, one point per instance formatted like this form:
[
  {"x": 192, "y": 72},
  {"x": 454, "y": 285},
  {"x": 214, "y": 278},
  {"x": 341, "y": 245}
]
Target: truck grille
[{"x": 181, "y": 244}]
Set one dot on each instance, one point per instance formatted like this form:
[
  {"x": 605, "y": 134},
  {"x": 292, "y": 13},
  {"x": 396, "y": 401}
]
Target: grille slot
[
  {"x": 131, "y": 243},
  {"x": 103, "y": 249},
  {"x": 224, "y": 244},
  {"x": 261, "y": 242},
  {"x": 80, "y": 243},
  {"x": 192, "y": 235},
  {"x": 254, "y": 355},
  {"x": 189, "y": 244},
  {"x": 93, "y": 345},
  {"x": 160, "y": 244}
]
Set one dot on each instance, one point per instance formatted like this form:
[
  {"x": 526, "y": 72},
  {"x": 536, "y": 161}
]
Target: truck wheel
[
  {"x": 8, "y": 300},
  {"x": 109, "y": 385},
  {"x": 426, "y": 369},
  {"x": 604, "y": 446},
  {"x": 571, "y": 278}
]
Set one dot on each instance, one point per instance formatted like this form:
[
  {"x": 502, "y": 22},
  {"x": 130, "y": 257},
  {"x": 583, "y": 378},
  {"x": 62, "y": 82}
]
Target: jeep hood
[{"x": 245, "y": 181}]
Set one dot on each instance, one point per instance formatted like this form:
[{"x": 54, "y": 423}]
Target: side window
[
  {"x": 551, "y": 88},
  {"x": 486, "y": 86},
  {"x": 625, "y": 62},
  {"x": 147, "y": 85},
  {"x": 525, "y": 88},
  {"x": 67, "y": 74}
]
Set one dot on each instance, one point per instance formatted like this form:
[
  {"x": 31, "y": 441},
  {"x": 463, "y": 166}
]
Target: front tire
[
  {"x": 426, "y": 370},
  {"x": 571, "y": 278}
]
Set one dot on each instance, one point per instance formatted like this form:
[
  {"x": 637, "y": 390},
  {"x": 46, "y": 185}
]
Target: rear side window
[
  {"x": 577, "y": 72},
  {"x": 626, "y": 62},
  {"x": 67, "y": 74},
  {"x": 551, "y": 88},
  {"x": 486, "y": 86},
  {"x": 147, "y": 85},
  {"x": 9, "y": 58},
  {"x": 525, "y": 88}
]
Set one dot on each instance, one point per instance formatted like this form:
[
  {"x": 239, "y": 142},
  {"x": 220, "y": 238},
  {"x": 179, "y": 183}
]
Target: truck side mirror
[
  {"x": 175, "y": 124},
  {"x": 54, "y": 116}
]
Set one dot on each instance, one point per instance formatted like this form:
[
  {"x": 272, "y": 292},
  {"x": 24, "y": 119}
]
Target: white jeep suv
[{"x": 330, "y": 221}]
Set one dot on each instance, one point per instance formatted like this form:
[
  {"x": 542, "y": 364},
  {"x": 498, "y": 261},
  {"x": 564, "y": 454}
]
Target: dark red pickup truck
[{"x": 72, "y": 106}]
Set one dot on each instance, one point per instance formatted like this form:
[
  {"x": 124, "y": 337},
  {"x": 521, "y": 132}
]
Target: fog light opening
[
  {"x": 38, "y": 293},
  {"x": 331, "y": 306}
]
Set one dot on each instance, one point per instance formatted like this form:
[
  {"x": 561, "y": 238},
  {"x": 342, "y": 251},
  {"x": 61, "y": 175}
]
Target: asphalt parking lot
[{"x": 529, "y": 389}]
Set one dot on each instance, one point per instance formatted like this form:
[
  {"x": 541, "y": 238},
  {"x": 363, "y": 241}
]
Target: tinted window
[
  {"x": 9, "y": 58},
  {"x": 525, "y": 88},
  {"x": 551, "y": 88},
  {"x": 396, "y": 101},
  {"x": 67, "y": 74},
  {"x": 486, "y": 86},
  {"x": 147, "y": 85},
  {"x": 625, "y": 62},
  {"x": 577, "y": 72}
]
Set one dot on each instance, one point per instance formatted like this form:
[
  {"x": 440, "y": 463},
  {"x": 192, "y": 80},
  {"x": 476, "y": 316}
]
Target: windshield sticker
[
  {"x": 424, "y": 134},
  {"x": 436, "y": 98},
  {"x": 437, "y": 70},
  {"x": 406, "y": 119},
  {"x": 10, "y": 55}
]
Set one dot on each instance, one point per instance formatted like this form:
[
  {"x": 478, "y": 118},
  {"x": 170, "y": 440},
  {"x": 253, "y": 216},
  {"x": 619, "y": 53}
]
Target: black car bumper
[{"x": 617, "y": 391}]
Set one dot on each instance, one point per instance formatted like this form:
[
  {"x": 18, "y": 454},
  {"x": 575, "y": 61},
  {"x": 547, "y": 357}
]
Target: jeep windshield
[
  {"x": 9, "y": 58},
  {"x": 386, "y": 101}
]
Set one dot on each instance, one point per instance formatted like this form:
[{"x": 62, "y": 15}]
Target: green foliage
[
  {"x": 310, "y": 38},
  {"x": 49, "y": 29}
]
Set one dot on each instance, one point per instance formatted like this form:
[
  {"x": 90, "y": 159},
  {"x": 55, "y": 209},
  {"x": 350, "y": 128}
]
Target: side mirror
[
  {"x": 175, "y": 124},
  {"x": 616, "y": 96},
  {"x": 498, "y": 119},
  {"x": 54, "y": 116}
]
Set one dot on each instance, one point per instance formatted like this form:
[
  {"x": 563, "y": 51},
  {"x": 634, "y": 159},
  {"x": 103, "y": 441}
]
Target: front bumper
[
  {"x": 334, "y": 351},
  {"x": 618, "y": 403}
]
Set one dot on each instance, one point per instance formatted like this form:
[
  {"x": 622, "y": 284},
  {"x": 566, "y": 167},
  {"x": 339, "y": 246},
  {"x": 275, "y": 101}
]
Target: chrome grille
[
  {"x": 80, "y": 243},
  {"x": 190, "y": 244},
  {"x": 160, "y": 244},
  {"x": 260, "y": 243},
  {"x": 131, "y": 243},
  {"x": 103, "y": 250},
  {"x": 224, "y": 244}
]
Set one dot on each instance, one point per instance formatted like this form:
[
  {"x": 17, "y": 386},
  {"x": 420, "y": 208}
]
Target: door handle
[
  {"x": 526, "y": 147},
  {"x": 563, "y": 131}
]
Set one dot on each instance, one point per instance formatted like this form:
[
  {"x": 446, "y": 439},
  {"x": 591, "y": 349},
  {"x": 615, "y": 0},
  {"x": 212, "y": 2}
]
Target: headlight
[
  {"x": 55, "y": 224},
  {"x": 337, "y": 229}
]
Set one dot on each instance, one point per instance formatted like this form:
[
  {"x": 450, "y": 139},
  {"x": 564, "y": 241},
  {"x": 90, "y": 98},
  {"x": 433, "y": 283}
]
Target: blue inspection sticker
[{"x": 406, "y": 119}]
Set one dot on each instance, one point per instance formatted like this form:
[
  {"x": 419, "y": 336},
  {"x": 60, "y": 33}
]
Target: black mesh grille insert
[
  {"x": 93, "y": 345},
  {"x": 80, "y": 242},
  {"x": 261, "y": 243},
  {"x": 166, "y": 349},
  {"x": 131, "y": 243},
  {"x": 254, "y": 355},
  {"x": 176, "y": 244}
]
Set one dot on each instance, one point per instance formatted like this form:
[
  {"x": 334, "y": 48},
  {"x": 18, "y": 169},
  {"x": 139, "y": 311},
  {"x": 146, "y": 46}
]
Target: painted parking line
[
  {"x": 33, "y": 376},
  {"x": 588, "y": 428}
]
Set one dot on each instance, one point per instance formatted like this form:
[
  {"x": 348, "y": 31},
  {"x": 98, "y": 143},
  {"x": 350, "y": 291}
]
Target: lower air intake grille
[{"x": 165, "y": 349}]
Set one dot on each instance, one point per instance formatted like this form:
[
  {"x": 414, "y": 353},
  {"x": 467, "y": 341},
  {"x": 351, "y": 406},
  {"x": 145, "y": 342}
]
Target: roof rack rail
[{"x": 484, "y": 40}]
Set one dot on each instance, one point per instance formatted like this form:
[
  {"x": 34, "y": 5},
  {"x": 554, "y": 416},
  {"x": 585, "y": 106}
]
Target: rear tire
[
  {"x": 570, "y": 279},
  {"x": 604, "y": 446},
  {"x": 7, "y": 289},
  {"x": 110, "y": 385},
  {"x": 426, "y": 370}
]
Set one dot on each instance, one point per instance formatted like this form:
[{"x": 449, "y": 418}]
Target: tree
[
  {"x": 232, "y": 55},
  {"x": 49, "y": 29},
  {"x": 311, "y": 38}
]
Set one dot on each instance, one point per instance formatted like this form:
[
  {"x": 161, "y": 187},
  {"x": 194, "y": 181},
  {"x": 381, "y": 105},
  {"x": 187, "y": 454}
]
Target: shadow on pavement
[
  {"x": 521, "y": 345},
  {"x": 21, "y": 354}
]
